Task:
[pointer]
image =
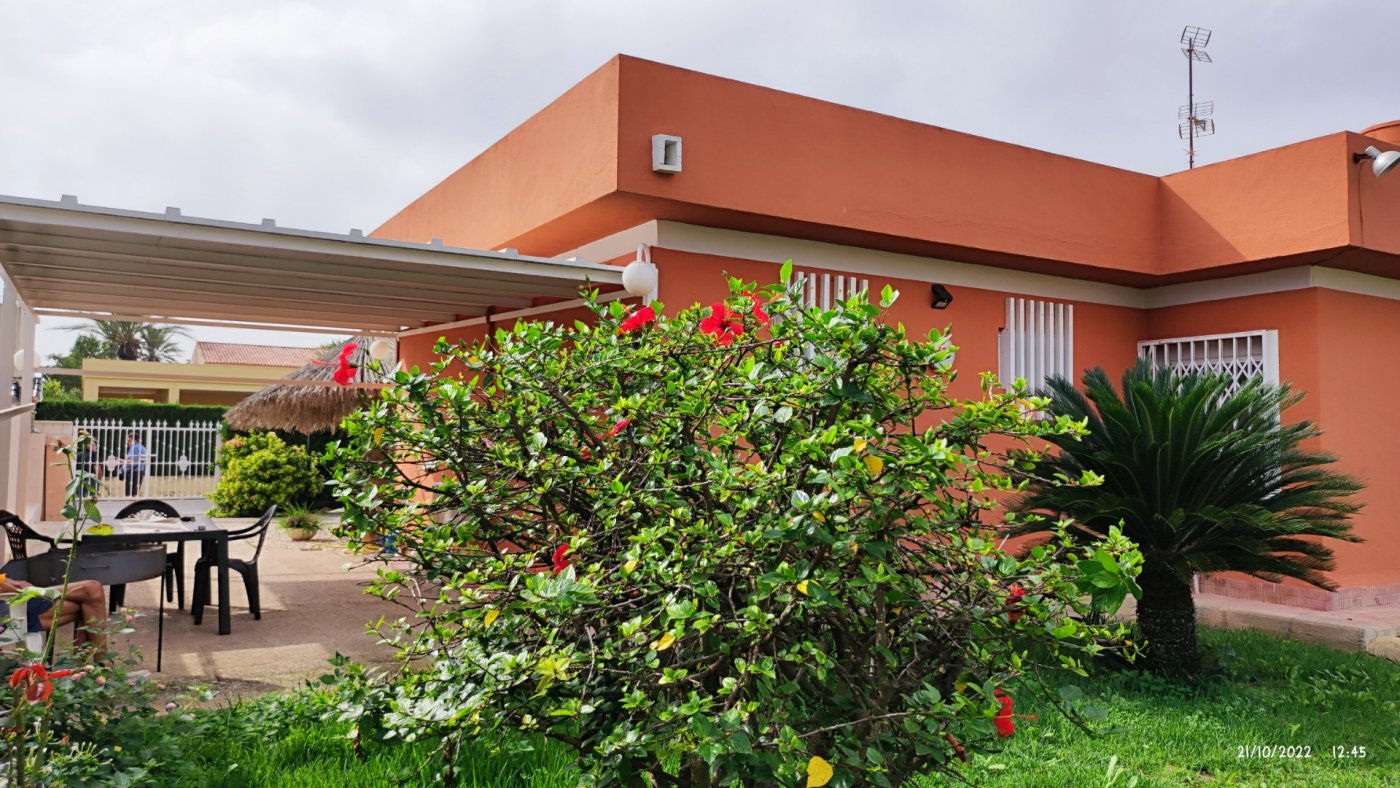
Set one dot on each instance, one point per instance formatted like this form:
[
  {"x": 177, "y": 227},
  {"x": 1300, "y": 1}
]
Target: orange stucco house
[{"x": 1284, "y": 263}]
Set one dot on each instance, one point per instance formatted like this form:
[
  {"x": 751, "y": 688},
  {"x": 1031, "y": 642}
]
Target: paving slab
[
  {"x": 313, "y": 607},
  {"x": 1375, "y": 630}
]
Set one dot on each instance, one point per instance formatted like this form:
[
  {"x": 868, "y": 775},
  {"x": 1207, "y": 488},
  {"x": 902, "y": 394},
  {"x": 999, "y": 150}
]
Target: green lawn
[{"x": 1265, "y": 692}]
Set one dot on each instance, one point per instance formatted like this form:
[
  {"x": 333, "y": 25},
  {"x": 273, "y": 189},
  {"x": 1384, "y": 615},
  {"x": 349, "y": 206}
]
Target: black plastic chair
[
  {"x": 248, "y": 568},
  {"x": 174, "y": 562},
  {"x": 21, "y": 534}
]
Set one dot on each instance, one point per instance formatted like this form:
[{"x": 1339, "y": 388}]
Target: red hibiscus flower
[
  {"x": 344, "y": 373},
  {"x": 618, "y": 427},
  {"x": 1013, "y": 601},
  {"x": 723, "y": 325},
  {"x": 1006, "y": 726},
  {"x": 28, "y": 673},
  {"x": 758, "y": 313},
  {"x": 36, "y": 681},
  {"x": 637, "y": 319},
  {"x": 559, "y": 561},
  {"x": 38, "y": 691}
]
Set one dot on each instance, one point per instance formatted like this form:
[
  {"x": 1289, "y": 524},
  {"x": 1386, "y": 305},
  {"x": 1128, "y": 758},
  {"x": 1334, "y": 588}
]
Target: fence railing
[{"x": 178, "y": 460}]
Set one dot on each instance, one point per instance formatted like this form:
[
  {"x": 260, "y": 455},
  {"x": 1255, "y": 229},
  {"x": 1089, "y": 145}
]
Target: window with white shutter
[
  {"x": 823, "y": 291},
  {"x": 1242, "y": 356},
  {"x": 1037, "y": 342}
]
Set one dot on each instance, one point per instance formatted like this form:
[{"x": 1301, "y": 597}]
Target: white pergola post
[
  {"x": 9, "y": 428},
  {"x": 29, "y": 470}
]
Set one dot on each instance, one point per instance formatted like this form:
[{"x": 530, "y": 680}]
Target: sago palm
[{"x": 1204, "y": 479}]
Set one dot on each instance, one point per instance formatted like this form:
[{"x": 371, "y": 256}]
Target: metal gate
[{"x": 179, "y": 459}]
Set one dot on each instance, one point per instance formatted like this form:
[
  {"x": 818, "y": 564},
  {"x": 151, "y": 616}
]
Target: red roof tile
[{"x": 258, "y": 355}]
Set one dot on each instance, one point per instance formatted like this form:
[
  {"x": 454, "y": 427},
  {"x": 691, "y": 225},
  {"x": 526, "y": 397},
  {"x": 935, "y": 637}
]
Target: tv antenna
[{"x": 1195, "y": 116}]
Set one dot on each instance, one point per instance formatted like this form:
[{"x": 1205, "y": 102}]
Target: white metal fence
[{"x": 179, "y": 460}]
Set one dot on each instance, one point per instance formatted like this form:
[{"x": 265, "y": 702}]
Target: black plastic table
[{"x": 212, "y": 541}]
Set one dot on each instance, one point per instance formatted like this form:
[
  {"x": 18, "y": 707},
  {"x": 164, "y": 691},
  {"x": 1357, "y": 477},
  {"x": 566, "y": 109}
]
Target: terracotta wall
[
  {"x": 1356, "y": 351},
  {"x": 1276, "y": 203},
  {"x": 1103, "y": 335},
  {"x": 563, "y": 157},
  {"x": 781, "y": 156}
]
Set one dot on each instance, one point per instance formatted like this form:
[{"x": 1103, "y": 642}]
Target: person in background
[
  {"x": 134, "y": 465},
  {"x": 86, "y": 600}
]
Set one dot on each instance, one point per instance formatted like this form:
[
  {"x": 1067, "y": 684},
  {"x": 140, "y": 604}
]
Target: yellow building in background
[{"x": 219, "y": 373}]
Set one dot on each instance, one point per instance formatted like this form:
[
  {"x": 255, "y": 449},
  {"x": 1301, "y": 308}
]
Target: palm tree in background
[
  {"x": 1204, "y": 479},
  {"x": 134, "y": 341},
  {"x": 158, "y": 342}
]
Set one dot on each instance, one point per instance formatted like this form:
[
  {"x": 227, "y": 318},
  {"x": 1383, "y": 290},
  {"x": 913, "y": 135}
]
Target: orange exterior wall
[
  {"x": 1356, "y": 337},
  {"x": 773, "y": 154},
  {"x": 1103, "y": 335},
  {"x": 1278, "y": 203},
  {"x": 563, "y": 157},
  {"x": 769, "y": 162}
]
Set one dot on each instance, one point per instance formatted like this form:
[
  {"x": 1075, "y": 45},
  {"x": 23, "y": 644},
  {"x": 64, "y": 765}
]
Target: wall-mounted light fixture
[
  {"x": 1381, "y": 161},
  {"x": 381, "y": 349},
  {"x": 941, "y": 297},
  {"x": 640, "y": 277}
]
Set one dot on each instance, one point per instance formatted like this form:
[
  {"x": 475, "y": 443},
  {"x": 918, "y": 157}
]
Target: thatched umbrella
[{"x": 311, "y": 400}]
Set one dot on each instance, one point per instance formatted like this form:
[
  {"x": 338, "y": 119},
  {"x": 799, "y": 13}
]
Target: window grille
[
  {"x": 1037, "y": 342},
  {"x": 1242, "y": 356},
  {"x": 823, "y": 291}
]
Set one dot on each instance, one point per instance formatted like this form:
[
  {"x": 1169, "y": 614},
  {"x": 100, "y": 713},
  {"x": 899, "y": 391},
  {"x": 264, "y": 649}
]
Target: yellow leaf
[
  {"x": 874, "y": 464},
  {"x": 960, "y": 686},
  {"x": 630, "y": 566},
  {"x": 855, "y": 547},
  {"x": 802, "y": 587},
  {"x": 819, "y": 517},
  {"x": 858, "y": 446},
  {"x": 378, "y": 434},
  {"x": 664, "y": 642},
  {"x": 490, "y": 617},
  {"x": 819, "y": 772}
]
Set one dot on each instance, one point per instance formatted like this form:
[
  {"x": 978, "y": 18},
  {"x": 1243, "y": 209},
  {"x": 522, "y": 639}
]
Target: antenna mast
[{"x": 1195, "y": 118}]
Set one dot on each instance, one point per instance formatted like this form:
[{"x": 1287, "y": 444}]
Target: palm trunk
[{"x": 1166, "y": 616}]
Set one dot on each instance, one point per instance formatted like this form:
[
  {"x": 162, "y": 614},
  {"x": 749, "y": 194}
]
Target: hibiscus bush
[{"x": 751, "y": 543}]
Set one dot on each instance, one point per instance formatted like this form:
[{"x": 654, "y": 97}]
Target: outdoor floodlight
[
  {"x": 19, "y": 360},
  {"x": 941, "y": 297},
  {"x": 380, "y": 349},
  {"x": 1381, "y": 161},
  {"x": 640, "y": 277}
]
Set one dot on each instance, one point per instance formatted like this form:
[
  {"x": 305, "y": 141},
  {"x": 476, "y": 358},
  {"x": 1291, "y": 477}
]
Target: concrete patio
[{"x": 313, "y": 607}]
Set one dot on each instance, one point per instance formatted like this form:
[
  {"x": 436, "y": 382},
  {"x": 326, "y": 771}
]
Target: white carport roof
[{"x": 72, "y": 260}]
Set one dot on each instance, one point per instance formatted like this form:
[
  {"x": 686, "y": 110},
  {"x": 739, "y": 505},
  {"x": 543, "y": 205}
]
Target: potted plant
[{"x": 301, "y": 523}]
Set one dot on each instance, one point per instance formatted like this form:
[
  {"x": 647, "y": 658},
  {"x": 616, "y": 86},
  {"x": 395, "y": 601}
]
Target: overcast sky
[{"x": 333, "y": 114}]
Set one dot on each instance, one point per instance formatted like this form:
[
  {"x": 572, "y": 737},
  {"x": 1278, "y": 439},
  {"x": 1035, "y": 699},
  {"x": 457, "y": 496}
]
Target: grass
[{"x": 1264, "y": 691}]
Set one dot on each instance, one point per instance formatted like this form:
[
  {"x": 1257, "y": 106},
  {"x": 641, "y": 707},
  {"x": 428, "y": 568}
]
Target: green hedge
[{"x": 128, "y": 410}]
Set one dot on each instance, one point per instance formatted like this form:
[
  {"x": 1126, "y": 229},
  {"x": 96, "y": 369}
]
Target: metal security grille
[
  {"x": 1243, "y": 356},
  {"x": 180, "y": 458},
  {"x": 1037, "y": 342},
  {"x": 823, "y": 291}
]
